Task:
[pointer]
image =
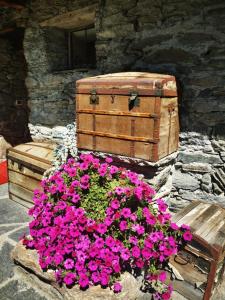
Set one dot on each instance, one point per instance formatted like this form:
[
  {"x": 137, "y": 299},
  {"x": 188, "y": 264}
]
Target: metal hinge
[{"x": 94, "y": 98}]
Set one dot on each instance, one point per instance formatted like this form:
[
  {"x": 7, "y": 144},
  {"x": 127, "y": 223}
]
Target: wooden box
[
  {"x": 133, "y": 114},
  {"x": 26, "y": 165},
  {"x": 201, "y": 263}
]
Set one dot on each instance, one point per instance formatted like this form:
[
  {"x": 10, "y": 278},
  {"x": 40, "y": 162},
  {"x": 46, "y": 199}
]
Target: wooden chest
[
  {"x": 26, "y": 165},
  {"x": 133, "y": 114},
  {"x": 201, "y": 263}
]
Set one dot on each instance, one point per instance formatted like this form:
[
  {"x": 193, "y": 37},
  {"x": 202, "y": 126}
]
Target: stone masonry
[{"x": 182, "y": 38}]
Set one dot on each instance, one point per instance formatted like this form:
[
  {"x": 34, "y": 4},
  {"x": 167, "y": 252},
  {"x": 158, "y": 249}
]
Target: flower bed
[{"x": 93, "y": 221}]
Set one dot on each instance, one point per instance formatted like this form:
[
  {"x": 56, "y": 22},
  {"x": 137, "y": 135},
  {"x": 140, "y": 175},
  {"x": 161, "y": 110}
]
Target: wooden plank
[
  {"x": 182, "y": 213},
  {"x": 29, "y": 159},
  {"x": 219, "y": 238},
  {"x": 76, "y": 19},
  {"x": 20, "y": 192},
  {"x": 207, "y": 226},
  {"x": 197, "y": 222},
  {"x": 24, "y": 181},
  {"x": 117, "y": 136},
  {"x": 23, "y": 170},
  {"x": 194, "y": 213},
  {"x": 119, "y": 113}
]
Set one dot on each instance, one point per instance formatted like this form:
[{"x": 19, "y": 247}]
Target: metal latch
[
  {"x": 94, "y": 98},
  {"x": 133, "y": 100}
]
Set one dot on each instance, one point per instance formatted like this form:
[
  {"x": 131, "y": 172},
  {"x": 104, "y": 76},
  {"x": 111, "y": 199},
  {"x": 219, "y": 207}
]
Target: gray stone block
[
  {"x": 185, "y": 181},
  {"x": 18, "y": 290},
  {"x": 199, "y": 157}
]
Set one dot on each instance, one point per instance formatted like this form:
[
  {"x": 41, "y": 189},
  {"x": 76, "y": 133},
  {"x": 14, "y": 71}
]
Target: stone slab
[
  {"x": 6, "y": 264},
  {"x": 11, "y": 212},
  {"x": 19, "y": 233},
  {"x": 18, "y": 290}
]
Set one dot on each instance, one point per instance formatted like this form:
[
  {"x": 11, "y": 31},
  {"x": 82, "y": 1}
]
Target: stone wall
[{"x": 182, "y": 38}]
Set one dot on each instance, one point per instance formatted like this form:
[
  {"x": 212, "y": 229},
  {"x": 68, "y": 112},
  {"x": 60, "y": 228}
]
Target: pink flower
[
  {"x": 115, "y": 204},
  {"x": 69, "y": 278},
  {"x": 104, "y": 277},
  {"x": 174, "y": 226},
  {"x": 92, "y": 265},
  {"x": 83, "y": 281},
  {"x": 123, "y": 225},
  {"x": 101, "y": 228},
  {"x": 69, "y": 264},
  {"x": 133, "y": 240},
  {"x": 113, "y": 170},
  {"x": 187, "y": 236},
  {"x": 162, "y": 276},
  {"x": 126, "y": 212},
  {"x": 125, "y": 254},
  {"x": 136, "y": 252},
  {"x": 117, "y": 287},
  {"x": 95, "y": 277},
  {"x": 108, "y": 160},
  {"x": 75, "y": 198}
]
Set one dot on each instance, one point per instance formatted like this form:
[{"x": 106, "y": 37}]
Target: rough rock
[
  {"x": 199, "y": 157},
  {"x": 185, "y": 181},
  {"x": 197, "y": 167},
  {"x": 29, "y": 260}
]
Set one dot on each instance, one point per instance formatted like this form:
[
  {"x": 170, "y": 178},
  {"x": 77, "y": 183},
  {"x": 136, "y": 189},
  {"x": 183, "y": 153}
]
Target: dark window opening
[{"x": 81, "y": 48}]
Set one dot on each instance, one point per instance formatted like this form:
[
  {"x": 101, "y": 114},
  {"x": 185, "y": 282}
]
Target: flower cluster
[{"x": 93, "y": 220}]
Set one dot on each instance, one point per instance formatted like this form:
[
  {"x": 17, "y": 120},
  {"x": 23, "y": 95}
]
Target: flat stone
[
  {"x": 29, "y": 259},
  {"x": 185, "y": 181},
  {"x": 18, "y": 290},
  {"x": 6, "y": 264},
  {"x": 5, "y": 229},
  {"x": 131, "y": 286},
  {"x": 11, "y": 212},
  {"x": 19, "y": 233},
  {"x": 197, "y": 167},
  {"x": 3, "y": 190},
  {"x": 206, "y": 179},
  {"x": 199, "y": 157}
]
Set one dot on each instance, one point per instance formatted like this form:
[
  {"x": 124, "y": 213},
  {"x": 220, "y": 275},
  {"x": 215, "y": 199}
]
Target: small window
[{"x": 81, "y": 48}]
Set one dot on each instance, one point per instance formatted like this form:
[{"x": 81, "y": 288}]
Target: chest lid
[
  {"x": 36, "y": 154},
  {"x": 125, "y": 83}
]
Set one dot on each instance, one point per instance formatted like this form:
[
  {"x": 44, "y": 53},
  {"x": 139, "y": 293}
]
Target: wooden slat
[
  {"x": 116, "y": 136},
  {"x": 219, "y": 238},
  {"x": 118, "y": 113},
  {"x": 23, "y": 181},
  {"x": 178, "y": 216},
  {"x": 28, "y": 158},
  {"x": 207, "y": 226},
  {"x": 197, "y": 222},
  {"x": 24, "y": 170},
  {"x": 20, "y": 192}
]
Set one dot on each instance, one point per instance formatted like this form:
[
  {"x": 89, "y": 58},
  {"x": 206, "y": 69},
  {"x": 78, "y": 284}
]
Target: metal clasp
[
  {"x": 94, "y": 98},
  {"x": 133, "y": 100}
]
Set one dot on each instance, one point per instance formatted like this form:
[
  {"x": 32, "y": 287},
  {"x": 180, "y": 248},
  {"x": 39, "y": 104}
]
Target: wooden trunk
[
  {"x": 26, "y": 165},
  {"x": 201, "y": 263},
  {"x": 132, "y": 114}
]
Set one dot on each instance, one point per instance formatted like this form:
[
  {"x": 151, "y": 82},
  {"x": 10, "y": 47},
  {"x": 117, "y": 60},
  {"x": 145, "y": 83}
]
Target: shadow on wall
[{"x": 14, "y": 111}]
